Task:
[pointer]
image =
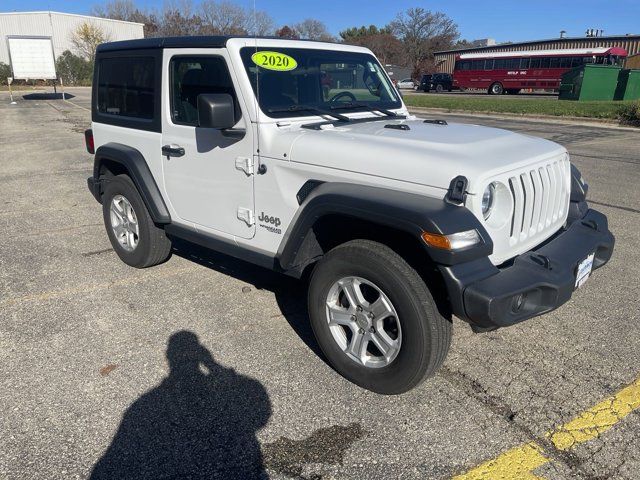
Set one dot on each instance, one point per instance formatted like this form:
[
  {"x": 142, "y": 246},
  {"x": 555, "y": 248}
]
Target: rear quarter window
[{"x": 126, "y": 87}]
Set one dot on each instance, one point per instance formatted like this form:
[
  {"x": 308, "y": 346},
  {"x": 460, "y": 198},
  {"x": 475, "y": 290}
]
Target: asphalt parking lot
[{"x": 99, "y": 361}]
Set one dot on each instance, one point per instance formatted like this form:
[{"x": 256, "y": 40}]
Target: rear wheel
[
  {"x": 135, "y": 238},
  {"x": 496, "y": 89},
  {"x": 375, "y": 319},
  {"x": 439, "y": 88}
]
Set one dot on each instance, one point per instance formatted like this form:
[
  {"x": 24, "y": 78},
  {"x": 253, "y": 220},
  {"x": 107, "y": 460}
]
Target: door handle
[{"x": 172, "y": 151}]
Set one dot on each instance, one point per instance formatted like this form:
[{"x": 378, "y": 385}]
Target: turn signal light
[
  {"x": 436, "y": 240},
  {"x": 453, "y": 241}
]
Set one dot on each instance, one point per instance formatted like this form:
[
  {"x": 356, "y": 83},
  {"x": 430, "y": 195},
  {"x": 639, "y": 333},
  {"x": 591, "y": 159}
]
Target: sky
[{"x": 503, "y": 21}]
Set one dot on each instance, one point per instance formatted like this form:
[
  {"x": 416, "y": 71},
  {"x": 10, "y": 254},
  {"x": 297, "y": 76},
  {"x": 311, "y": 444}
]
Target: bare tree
[
  {"x": 116, "y": 9},
  {"x": 128, "y": 11},
  {"x": 224, "y": 18},
  {"x": 287, "y": 32},
  {"x": 86, "y": 38},
  {"x": 260, "y": 23},
  {"x": 312, "y": 29},
  {"x": 422, "y": 32},
  {"x": 381, "y": 41}
]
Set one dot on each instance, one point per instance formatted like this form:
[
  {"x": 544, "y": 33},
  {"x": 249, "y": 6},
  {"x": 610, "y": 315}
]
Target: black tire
[
  {"x": 426, "y": 334},
  {"x": 153, "y": 245},
  {"x": 496, "y": 89},
  {"x": 439, "y": 88}
]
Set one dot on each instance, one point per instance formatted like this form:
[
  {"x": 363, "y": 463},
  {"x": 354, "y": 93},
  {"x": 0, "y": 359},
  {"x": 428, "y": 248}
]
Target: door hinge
[
  {"x": 246, "y": 215},
  {"x": 245, "y": 164}
]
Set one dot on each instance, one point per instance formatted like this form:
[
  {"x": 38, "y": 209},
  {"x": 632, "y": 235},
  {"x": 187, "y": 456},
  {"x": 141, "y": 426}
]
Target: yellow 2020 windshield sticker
[{"x": 274, "y": 61}]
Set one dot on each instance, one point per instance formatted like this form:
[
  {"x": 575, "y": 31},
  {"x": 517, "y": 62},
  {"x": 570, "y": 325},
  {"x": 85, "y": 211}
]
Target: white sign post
[{"x": 9, "y": 82}]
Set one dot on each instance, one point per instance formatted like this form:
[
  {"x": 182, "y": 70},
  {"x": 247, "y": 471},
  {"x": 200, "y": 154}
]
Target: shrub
[
  {"x": 5, "y": 71},
  {"x": 74, "y": 70},
  {"x": 629, "y": 114}
]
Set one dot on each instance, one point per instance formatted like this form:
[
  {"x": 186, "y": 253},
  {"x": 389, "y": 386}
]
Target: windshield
[{"x": 287, "y": 79}]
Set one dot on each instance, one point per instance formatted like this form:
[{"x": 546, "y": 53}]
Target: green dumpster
[
  {"x": 628, "y": 85},
  {"x": 589, "y": 82}
]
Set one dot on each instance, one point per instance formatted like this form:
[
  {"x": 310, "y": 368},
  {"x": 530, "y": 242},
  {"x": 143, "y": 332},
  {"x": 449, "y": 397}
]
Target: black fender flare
[
  {"x": 137, "y": 168},
  {"x": 409, "y": 212}
]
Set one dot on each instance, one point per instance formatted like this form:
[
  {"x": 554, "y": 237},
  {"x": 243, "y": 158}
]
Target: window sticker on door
[{"x": 274, "y": 61}]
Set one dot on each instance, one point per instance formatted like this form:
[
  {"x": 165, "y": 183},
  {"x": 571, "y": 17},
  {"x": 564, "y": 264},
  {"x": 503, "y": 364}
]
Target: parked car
[
  {"x": 394, "y": 223},
  {"x": 407, "y": 83},
  {"x": 437, "y": 81}
]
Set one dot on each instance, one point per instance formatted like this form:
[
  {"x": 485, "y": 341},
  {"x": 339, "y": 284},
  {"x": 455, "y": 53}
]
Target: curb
[{"x": 581, "y": 121}]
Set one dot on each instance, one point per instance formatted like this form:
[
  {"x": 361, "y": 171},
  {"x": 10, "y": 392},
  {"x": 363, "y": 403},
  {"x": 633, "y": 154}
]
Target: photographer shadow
[{"x": 199, "y": 422}]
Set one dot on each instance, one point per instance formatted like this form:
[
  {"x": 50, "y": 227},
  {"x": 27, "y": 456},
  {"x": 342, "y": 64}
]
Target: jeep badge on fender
[
  {"x": 275, "y": 221},
  {"x": 396, "y": 223}
]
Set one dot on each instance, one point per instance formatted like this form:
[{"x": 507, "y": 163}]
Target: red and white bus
[{"x": 511, "y": 72}]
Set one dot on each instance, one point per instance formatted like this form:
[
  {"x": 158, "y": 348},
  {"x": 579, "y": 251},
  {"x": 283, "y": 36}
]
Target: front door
[{"x": 211, "y": 183}]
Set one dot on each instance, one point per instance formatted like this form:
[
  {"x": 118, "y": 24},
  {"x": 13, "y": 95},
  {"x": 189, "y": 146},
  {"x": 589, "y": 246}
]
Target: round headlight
[{"x": 488, "y": 198}]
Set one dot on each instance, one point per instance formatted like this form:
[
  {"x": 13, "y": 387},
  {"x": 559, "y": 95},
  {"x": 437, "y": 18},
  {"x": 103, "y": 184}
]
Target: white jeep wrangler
[{"x": 301, "y": 157}]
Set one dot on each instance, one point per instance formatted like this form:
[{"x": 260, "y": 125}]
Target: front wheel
[
  {"x": 375, "y": 319},
  {"x": 439, "y": 88}
]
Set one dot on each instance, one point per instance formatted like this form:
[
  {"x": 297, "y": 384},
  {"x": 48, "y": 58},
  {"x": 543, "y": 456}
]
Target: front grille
[{"x": 540, "y": 199}]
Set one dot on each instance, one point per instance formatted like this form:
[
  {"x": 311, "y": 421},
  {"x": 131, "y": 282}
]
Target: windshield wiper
[
  {"x": 344, "y": 106},
  {"x": 309, "y": 108}
]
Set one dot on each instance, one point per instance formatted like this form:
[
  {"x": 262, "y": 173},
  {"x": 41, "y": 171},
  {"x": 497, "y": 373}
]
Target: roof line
[
  {"x": 200, "y": 41},
  {"x": 49, "y": 12},
  {"x": 548, "y": 40}
]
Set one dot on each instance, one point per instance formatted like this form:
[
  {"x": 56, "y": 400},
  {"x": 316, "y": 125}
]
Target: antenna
[{"x": 257, "y": 101}]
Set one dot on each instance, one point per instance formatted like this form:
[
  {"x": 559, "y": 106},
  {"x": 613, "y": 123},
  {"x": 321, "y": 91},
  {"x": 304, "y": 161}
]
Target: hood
[{"x": 418, "y": 152}]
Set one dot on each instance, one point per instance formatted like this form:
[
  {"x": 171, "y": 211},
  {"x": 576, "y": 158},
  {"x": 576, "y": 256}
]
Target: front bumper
[{"x": 536, "y": 282}]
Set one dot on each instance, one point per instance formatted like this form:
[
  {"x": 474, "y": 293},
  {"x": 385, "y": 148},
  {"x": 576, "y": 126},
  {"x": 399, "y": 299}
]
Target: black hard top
[
  {"x": 165, "y": 42},
  {"x": 213, "y": 41}
]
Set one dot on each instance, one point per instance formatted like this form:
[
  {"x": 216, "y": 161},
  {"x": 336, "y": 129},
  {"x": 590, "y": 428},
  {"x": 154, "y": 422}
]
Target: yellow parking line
[
  {"x": 598, "y": 419},
  {"x": 519, "y": 463}
]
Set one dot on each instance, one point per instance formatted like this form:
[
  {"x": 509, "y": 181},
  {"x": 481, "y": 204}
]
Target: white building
[{"x": 60, "y": 27}]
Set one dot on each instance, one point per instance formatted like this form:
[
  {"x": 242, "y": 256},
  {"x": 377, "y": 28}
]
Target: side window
[
  {"x": 126, "y": 87},
  {"x": 191, "y": 76},
  {"x": 524, "y": 63},
  {"x": 477, "y": 65},
  {"x": 488, "y": 64},
  {"x": 554, "y": 62},
  {"x": 513, "y": 63},
  {"x": 545, "y": 62},
  {"x": 535, "y": 62},
  {"x": 500, "y": 64}
]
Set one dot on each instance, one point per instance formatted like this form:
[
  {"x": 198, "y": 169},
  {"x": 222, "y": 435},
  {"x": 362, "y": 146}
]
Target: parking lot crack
[{"x": 473, "y": 389}]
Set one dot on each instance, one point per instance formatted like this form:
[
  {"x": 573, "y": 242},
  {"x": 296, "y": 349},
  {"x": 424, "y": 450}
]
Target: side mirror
[{"x": 216, "y": 110}]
